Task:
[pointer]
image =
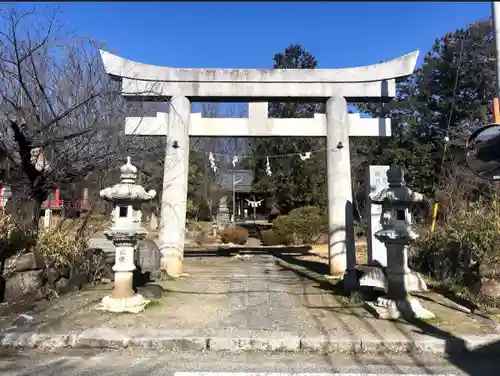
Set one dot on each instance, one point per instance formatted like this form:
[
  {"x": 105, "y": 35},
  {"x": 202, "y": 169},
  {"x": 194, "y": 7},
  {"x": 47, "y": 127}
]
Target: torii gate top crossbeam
[{"x": 365, "y": 83}]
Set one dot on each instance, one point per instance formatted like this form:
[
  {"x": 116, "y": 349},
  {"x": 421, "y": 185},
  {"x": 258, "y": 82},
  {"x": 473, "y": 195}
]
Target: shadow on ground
[
  {"x": 457, "y": 352},
  {"x": 314, "y": 266}
]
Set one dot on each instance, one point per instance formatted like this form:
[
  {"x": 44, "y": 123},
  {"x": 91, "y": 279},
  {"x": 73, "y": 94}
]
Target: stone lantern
[
  {"x": 125, "y": 232},
  {"x": 397, "y": 234}
]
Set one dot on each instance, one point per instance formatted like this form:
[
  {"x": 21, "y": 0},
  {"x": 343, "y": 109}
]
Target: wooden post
[{"x": 496, "y": 111}]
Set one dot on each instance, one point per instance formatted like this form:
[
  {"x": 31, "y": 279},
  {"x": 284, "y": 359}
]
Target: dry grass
[{"x": 319, "y": 252}]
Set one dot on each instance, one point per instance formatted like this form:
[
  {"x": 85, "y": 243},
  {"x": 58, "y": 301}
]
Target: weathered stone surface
[
  {"x": 327, "y": 344},
  {"x": 63, "y": 285},
  {"x": 287, "y": 343},
  {"x": 376, "y": 277},
  {"x": 51, "y": 275},
  {"x": 22, "y": 263},
  {"x": 24, "y": 285},
  {"x": 64, "y": 271},
  {"x": 489, "y": 271},
  {"x": 490, "y": 287},
  {"x": 151, "y": 291},
  {"x": 78, "y": 280},
  {"x": 148, "y": 255}
]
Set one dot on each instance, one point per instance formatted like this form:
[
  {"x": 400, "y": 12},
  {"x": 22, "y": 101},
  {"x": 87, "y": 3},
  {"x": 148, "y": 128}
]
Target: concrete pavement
[
  {"x": 244, "y": 304},
  {"x": 146, "y": 362}
]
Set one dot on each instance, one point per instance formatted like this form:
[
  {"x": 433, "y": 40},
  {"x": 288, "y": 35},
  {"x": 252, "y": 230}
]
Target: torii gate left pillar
[{"x": 335, "y": 86}]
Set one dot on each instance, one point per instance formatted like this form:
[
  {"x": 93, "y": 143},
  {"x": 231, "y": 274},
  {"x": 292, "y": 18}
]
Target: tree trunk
[{"x": 36, "y": 208}]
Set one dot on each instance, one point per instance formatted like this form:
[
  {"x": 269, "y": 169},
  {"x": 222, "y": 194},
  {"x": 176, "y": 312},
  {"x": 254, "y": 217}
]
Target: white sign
[
  {"x": 47, "y": 219},
  {"x": 376, "y": 181}
]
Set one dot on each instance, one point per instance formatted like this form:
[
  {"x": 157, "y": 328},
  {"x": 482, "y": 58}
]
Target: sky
[{"x": 247, "y": 34}]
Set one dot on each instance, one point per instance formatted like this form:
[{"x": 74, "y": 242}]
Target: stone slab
[
  {"x": 377, "y": 180},
  {"x": 101, "y": 338},
  {"x": 254, "y": 126},
  {"x": 357, "y": 83}
]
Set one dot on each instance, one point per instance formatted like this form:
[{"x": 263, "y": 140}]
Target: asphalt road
[{"x": 153, "y": 363}]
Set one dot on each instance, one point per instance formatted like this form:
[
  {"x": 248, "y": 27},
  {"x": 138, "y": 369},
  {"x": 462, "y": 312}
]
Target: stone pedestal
[
  {"x": 375, "y": 277},
  {"x": 123, "y": 298},
  {"x": 400, "y": 281}
]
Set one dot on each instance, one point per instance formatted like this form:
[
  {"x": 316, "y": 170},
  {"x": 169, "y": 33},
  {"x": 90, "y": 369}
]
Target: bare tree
[{"x": 61, "y": 120}]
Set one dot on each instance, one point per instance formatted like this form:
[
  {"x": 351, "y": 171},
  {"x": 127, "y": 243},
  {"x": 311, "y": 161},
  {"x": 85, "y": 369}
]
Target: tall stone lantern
[
  {"x": 127, "y": 198},
  {"x": 397, "y": 200}
]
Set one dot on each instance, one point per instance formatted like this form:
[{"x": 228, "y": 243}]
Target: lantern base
[
  {"x": 133, "y": 304},
  {"x": 388, "y": 309}
]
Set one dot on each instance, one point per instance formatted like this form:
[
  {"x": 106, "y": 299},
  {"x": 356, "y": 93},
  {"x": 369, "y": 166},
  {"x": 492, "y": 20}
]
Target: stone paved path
[{"x": 230, "y": 296}]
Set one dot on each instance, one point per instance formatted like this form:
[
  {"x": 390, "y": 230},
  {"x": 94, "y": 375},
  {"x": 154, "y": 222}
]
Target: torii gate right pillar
[{"x": 341, "y": 242}]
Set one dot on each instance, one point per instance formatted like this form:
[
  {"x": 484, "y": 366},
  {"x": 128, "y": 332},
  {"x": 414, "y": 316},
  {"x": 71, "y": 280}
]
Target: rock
[
  {"x": 106, "y": 280},
  {"x": 490, "y": 287},
  {"x": 23, "y": 320},
  {"x": 78, "y": 280},
  {"x": 24, "y": 262},
  {"x": 64, "y": 271},
  {"x": 63, "y": 286},
  {"x": 151, "y": 291},
  {"x": 24, "y": 285},
  {"x": 51, "y": 275},
  {"x": 149, "y": 255},
  {"x": 489, "y": 271}
]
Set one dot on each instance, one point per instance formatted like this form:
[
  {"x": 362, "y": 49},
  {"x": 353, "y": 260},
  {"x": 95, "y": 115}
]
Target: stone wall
[{"x": 32, "y": 276}]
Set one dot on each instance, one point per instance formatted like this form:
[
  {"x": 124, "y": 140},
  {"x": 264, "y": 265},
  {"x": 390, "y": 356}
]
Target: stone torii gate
[{"x": 182, "y": 86}]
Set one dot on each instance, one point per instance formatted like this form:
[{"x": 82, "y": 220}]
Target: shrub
[
  {"x": 59, "y": 246},
  {"x": 12, "y": 238},
  {"x": 237, "y": 235},
  {"x": 270, "y": 238},
  {"x": 304, "y": 224},
  {"x": 466, "y": 241}
]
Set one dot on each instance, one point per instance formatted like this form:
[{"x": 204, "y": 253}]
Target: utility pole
[{"x": 495, "y": 14}]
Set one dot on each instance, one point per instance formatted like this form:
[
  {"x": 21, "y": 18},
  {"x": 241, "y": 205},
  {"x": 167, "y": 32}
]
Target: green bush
[
  {"x": 237, "y": 235},
  {"x": 304, "y": 224},
  {"x": 466, "y": 242},
  {"x": 271, "y": 238}
]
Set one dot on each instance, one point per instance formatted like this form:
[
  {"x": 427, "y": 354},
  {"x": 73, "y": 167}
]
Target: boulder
[
  {"x": 64, "y": 271},
  {"x": 51, "y": 275},
  {"x": 24, "y": 285},
  {"x": 63, "y": 286},
  {"x": 78, "y": 280},
  {"x": 148, "y": 255},
  {"x": 489, "y": 270},
  {"x": 24, "y": 262},
  {"x": 490, "y": 287}
]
